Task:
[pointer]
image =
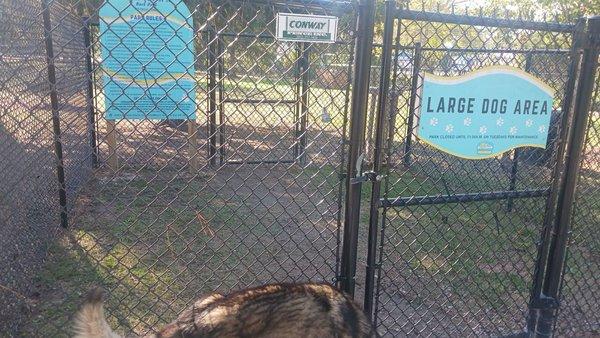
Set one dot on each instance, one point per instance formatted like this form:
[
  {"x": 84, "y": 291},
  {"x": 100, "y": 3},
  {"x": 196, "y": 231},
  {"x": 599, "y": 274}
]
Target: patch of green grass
[
  {"x": 156, "y": 244},
  {"x": 473, "y": 248},
  {"x": 154, "y": 253}
]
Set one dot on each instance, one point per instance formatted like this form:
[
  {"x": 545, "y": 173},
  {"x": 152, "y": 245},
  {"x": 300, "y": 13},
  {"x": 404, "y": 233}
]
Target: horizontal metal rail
[
  {"x": 259, "y": 101},
  {"x": 461, "y": 198},
  {"x": 260, "y": 162},
  {"x": 244, "y": 35},
  {"x": 307, "y": 4},
  {"x": 483, "y": 21},
  {"x": 260, "y": 36},
  {"x": 488, "y": 50}
]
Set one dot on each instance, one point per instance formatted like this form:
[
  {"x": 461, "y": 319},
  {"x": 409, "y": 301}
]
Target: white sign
[{"x": 306, "y": 28}]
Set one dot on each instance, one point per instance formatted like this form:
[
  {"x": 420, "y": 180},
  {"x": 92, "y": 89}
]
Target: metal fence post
[
  {"x": 297, "y": 94},
  {"x": 60, "y": 168},
  {"x": 221, "y": 74},
  {"x": 543, "y": 245},
  {"x": 384, "y": 84},
  {"x": 304, "y": 100},
  {"x": 91, "y": 118},
  {"x": 412, "y": 103},
  {"x": 360, "y": 92},
  {"x": 212, "y": 96},
  {"x": 566, "y": 194},
  {"x": 515, "y": 162},
  {"x": 302, "y": 76}
]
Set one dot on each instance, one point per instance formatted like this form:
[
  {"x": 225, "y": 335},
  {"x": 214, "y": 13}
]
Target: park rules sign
[
  {"x": 306, "y": 28},
  {"x": 148, "y": 53},
  {"x": 484, "y": 113}
]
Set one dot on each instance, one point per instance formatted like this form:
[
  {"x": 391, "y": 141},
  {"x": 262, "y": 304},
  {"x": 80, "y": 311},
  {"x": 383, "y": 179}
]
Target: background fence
[
  {"x": 29, "y": 213},
  {"x": 254, "y": 189}
]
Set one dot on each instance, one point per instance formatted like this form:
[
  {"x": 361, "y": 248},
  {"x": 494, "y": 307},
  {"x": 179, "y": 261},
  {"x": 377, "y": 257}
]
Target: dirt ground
[{"x": 157, "y": 236}]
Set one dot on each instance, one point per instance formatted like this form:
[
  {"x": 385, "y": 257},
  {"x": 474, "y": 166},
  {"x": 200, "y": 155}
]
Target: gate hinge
[
  {"x": 545, "y": 302},
  {"x": 367, "y": 176}
]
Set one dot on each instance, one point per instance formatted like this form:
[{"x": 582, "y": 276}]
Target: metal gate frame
[
  {"x": 218, "y": 99},
  {"x": 550, "y": 263}
]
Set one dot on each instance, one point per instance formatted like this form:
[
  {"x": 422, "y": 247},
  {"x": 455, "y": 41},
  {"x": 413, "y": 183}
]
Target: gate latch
[{"x": 367, "y": 176}]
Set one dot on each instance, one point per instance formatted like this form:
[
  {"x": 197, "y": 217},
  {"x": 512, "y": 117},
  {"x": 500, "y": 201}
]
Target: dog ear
[
  {"x": 89, "y": 322},
  {"x": 95, "y": 295}
]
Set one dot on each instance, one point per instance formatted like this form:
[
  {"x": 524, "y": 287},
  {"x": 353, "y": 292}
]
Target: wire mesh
[
  {"x": 250, "y": 191},
  {"x": 73, "y": 101},
  {"x": 462, "y": 268},
  {"x": 28, "y": 193},
  {"x": 579, "y": 309}
]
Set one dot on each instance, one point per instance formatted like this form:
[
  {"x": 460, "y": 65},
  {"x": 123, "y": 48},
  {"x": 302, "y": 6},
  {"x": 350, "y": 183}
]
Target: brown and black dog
[{"x": 276, "y": 310}]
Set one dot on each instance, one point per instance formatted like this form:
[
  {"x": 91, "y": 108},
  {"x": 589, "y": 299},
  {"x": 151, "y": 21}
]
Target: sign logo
[
  {"x": 484, "y": 113},
  {"x": 148, "y": 60},
  {"x": 306, "y": 28},
  {"x": 485, "y": 148}
]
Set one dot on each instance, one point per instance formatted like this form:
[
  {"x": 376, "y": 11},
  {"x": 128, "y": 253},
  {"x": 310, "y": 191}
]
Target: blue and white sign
[
  {"x": 484, "y": 113},
  {"x": 147, "y": 51}
]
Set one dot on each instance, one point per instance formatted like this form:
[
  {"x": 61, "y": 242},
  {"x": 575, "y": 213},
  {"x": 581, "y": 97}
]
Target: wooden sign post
[
  {"x": 193, "y": 146},
  {"x": 111, "y": 140},
  {"x": 139, "y": 83}
]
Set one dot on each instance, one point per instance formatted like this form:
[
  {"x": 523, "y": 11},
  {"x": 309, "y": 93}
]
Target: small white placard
[{"x": 306, "y": 28}]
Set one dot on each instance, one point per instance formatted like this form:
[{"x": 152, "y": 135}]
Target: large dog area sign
[
  {"x": 484, "y": 113},
  {"x": 306, "y": 28}
]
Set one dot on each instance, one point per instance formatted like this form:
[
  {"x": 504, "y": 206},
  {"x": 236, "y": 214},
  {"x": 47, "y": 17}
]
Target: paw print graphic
[
  {"x": 499, "y": 121},
  {"x": 449, "y": 128},
  {"x": 542, "y": 128},
  {"x": 433, "y": 121},
  {"x": 483, "y": 129},
  {"x": 467, "y": 121},
  {"x": 529, "y": 123},
  {"x": 512, "y": 130}
]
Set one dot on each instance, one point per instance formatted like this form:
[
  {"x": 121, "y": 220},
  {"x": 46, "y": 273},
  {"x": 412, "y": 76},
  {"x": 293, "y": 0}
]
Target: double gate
[{"x": 470, "y": 247}]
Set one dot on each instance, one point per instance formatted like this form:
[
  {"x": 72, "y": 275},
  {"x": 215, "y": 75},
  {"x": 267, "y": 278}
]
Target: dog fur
[{"x": 275, "y": 310}]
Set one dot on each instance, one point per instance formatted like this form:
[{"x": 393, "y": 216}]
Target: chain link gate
[
  {"x": 454, "y": 246},
  {"x": 461, "y": 242},
  {"x": 578, "y": 314},
  {"x": 237, "y": 132}
]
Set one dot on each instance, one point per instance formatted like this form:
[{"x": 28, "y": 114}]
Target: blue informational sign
[
  {"x": 484, "y": 113},
  {"x": 147, "y": 51}
]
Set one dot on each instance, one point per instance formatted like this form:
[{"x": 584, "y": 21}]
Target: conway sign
[{"x": 306, "y": 28}]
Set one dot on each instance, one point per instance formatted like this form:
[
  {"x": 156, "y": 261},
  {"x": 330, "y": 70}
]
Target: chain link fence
[
  {"x": 160, "y": 211},
  {"x": 457, "y": 254},
  {"x": 251, "y": 187},
  {"x": 579, "y": 310},
  {"x": 28, "y": 193}
]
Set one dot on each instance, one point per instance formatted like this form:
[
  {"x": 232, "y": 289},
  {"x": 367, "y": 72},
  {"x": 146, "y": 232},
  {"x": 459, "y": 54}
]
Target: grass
[
  {"x": 158, "y": 240},
  {"x": 145, "y": 241},
  {"x": 157, "y": 244}
]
